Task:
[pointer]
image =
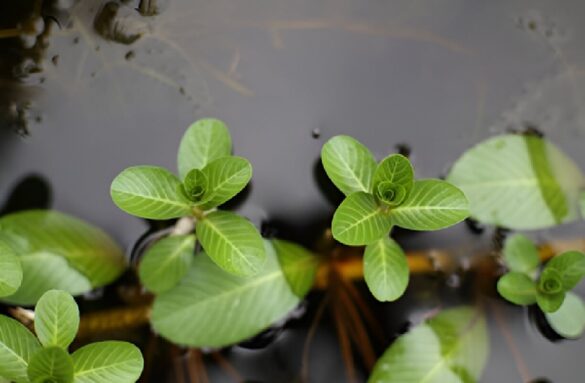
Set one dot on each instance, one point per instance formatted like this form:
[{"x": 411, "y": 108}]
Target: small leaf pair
[
  {"x": 378, "y": 197},
  {"x": 210, "y": 177},
  {"x": 26, "y": 359},
  {"x": 551, "y": 291}
]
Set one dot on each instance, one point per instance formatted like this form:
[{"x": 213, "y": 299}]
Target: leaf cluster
[
  {"x": 26, "y": 358},
  {"x": 378, "y": 197},
  {"x": 551, "y": 289}
]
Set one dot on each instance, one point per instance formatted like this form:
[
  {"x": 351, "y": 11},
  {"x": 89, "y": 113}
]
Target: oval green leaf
[
  {"x": 397, "y": 170},
  {"x": 166, "y": 262},
  {"x": 298, "y": 264},
  {"x": 385, "y": 269},
  {"x": 87, "y": 248},
  {"x": 569, "y": 320},
  {"x": 10, "y": 269},
  {"x": 431, "y": 205},
  {"x": 517, "y": 288},
  {"x": 520, "y": 254},
  {"x": 17, "y": 346},
  {"x": 52, "y": 364},
  {"x": 349, "y": 164},
  {"x": 449, "y": 348},
  {"x": 110, "y": 361},
  {"x": 359, "y": 220},
  {"x": 150, "y": 192},
  {"x": 56, "y": 319},
  {"x": 571, "y": 267},
  {"x": 519, "y": 182},
  {"x": 204, "y": 141},
  {"x": 549, "y": 303},
  {"x": 212, "y": 308},
  {"x": 195, "y": 185},
  {"x": 227, "y": 177},
  {"x": 43, "y": 272},
  {"x": 232, "y": 242}
]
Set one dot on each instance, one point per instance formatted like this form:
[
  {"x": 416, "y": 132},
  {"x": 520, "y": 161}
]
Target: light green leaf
[
  {"x": 359, "y": 220},
  {"x": 449, "y": 348},
  {"x": 431, "y": 205},
  {"x": 519, "y": 182},
  {"x": 385, "y": 269},
  {"x": 397, "y": 170},
  {"x": 571, "y": 267},
  {"x": 549, "y": 303},
  {"x": 87, "y": 248},
  {"x": 56, "y": 319},
  {"x": 212, "y": 308},
  {"x": 520, "y": 254},
  {"x": 569, "y": 320},
  {"x": 166, "y": 262},
  {"x": 227, "y": 177},
  {"x": 107, "y": 362},
  {"x": 550, "y": 281},
  {"x": 52, "y": 364},
  {"x": 17, "y": 346},
  {"x": 204, "y": 141},
  {"x": 195, "y": 185},
  {"x": 43, "y": 272},
  {"x": 232, "y": 242},
  {"x": 150, "y": 192},
  {"x": 298, "y": 264},
  {"x": 10, "y": 269},
  {"x": 517, "y": 288},
  {"x": 349, "y": 164}
]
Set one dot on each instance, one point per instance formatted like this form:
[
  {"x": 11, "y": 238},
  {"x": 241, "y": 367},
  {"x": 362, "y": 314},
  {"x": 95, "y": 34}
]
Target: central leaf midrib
[
  {"x": 157, "y": 199},
  {"x": 350, "y": 169},
  {"x": 230, "y": 243},
  {"x": 364, "y": 218}
]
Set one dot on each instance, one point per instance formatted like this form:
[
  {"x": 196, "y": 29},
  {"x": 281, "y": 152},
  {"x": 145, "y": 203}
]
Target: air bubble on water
[{"x": 316, "y": 133}]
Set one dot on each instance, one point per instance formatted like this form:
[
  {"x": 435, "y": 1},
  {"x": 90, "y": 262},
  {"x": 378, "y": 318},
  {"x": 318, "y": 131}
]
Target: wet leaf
[
  {"x": 520, "y": 254},
  {"x": 52, "y": 364},
  {"x": 17, "y": 346},
  {"x": 449, "y": 348},
  {"x": 431, "y": 205},
  {"x": 56, "y": 319},
  {"x": 519, "y": 182},
  {"x": 571, "y": 267},
  {"x": 232, "y": 242},
  {"x": 204, "y": 141},
  {"x": 359, "y": 220},
  {"x": 107, "y": 362},
  {"x": 227, "y": 177},
  {"x": 298, "y": 264},
  {"x": 10, "y": 269},
  {"x": 213, "y": 308},
  {"x": 150, "y": 192},
  {"x": 349, "y": 164},
  {"x": 385, "y": 269},
  {"x": 166, "y": 262},
  {"x": 569, "y": 320},
  {"x": 517, "y": 288}
]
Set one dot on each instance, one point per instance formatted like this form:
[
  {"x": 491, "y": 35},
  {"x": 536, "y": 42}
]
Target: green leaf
[
  {"x": 385, "y": 269},
  {"x": 431, "y": 205},
  {"x": 17, "y": 346},
  {"x": 107, "y": 362},
  {"x": 166, "y": 262},
  {"x": 549, "y": 303},
  {"x": 571, "y": 267},
  {"x": 150, "y": 192},
  {"x": 10, "y": 269},
  {"x": 212, "y": 308},
  {"x": 550, "y": 281},
  {"x": 204, "y": 141},
  {"x": 232, "y": 242},
  {"x": 519, "y": 182},
  {"x": 517, "y": 288},
  {"x": 43, "y": 272},
  {"x": 52, "y": 364},
  {"x": 569, "y": 320},
  {"x": 397, "y": 170},
  {"x": 359, "y": 220},
  {"x": 56, "y": 319},
  {"x": 298, "y": 264},
  {"x": 520, "y": 254},
  {"x": 449, "y": 348},
  {"x": 227, "y": 177},
  {"x": 349, "y": 164},
  {"x": 87, "y": 248},
  {"x": 195, "y": 185}
]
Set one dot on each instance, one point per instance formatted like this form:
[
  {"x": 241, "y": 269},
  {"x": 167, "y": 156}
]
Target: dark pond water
[{"x": 104, "y": 87}]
